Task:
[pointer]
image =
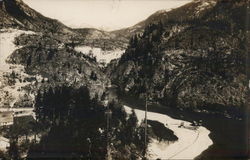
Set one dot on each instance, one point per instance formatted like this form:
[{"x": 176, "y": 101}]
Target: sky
[{"x": 102, "y": 14}]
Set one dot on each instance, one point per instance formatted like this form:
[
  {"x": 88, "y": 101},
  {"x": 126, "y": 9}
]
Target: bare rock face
[{"x": 192, "y": 57}]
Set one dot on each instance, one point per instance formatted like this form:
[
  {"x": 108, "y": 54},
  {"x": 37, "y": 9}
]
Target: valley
[{"x": 80, "y": 93}]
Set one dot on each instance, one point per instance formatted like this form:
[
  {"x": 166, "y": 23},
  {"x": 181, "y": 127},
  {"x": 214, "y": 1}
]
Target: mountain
[
  {"x": 191, "y": 57},
  {"x": 169, "y": 55},
  {"x": 41, "y": 70},
  {"x": 40, "y": 54},
  {"x": 161, "y": 14},
  {"x": 16, "y": 13},
  {"x": 139, "y": 27}
]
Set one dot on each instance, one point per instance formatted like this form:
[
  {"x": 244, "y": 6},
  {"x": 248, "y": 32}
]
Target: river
[
  {"x": 191, "y": 142},
  {"x": 228, "y": 135}
]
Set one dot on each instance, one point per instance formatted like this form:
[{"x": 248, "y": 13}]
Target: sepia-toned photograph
[{"x": 124, "y": 79}]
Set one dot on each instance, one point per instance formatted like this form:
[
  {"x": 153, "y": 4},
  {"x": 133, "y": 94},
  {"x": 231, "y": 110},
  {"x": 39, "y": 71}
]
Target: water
[{"x": 228, "y": 135}]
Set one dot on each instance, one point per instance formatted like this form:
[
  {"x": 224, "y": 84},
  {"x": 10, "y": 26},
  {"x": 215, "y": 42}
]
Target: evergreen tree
[
  {"x": 28, "y": 61},
  {"x": 13, "y": 150},
  {"x": 93, "y": 76}
]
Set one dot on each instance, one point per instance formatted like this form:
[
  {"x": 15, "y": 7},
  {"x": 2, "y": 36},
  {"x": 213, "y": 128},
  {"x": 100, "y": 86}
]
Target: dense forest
[
  {"x": 77, "y": 126},
  {"x": 189, "y": 58}
]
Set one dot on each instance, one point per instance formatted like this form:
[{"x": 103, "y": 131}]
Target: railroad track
[{"x": 197, "y": 136}]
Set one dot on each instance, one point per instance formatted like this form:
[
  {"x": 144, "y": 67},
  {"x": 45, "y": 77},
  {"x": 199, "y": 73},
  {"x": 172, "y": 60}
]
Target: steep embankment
[{"x": 192, "y": 57}]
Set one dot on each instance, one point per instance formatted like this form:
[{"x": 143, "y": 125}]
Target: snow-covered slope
[
  {"x": 7, "y": 46},
  {"x": 191, "y": 142},
  {"x": 11, "y": 75},
  {"x": 101, "y": 56}
]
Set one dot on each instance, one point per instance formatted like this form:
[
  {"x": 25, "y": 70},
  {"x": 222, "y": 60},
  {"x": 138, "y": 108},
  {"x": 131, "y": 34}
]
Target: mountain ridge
[{"x": 17, "y": 13}]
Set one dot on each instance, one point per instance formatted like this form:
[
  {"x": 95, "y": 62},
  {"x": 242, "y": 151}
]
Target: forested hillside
[{"x": 192, "y": 57}]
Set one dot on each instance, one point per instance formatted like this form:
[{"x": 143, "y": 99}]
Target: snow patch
[
  {"x": 4, "y": 143},
  {"x": 190, "y": 144},
  {"x": 7, "y": 45},
  {"x": 11, "y": 93},
  {"x": 101, "y": 56}
]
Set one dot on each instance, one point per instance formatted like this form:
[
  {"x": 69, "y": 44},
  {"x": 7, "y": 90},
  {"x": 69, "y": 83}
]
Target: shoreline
[
  {"x": 190, "y": 144},
  {"x": 229, "y": 136}
]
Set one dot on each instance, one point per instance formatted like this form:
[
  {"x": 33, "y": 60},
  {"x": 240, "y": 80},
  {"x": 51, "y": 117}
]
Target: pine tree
[
  {"x": 28, "y": 61},
  {"x": 93, "y": 76}
]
